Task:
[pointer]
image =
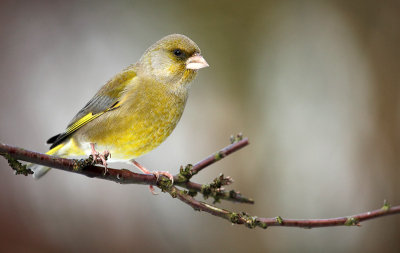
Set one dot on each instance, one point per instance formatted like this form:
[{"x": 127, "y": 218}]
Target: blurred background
[{"x": 313, "y": 84}]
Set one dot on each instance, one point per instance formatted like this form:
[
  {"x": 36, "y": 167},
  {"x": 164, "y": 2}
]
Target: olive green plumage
[{"x": 137, "y": 109}]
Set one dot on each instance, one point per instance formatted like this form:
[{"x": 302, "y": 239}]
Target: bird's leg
[
  {"x": 97, "y": 157},
  {"x": 155, "y": 173}
]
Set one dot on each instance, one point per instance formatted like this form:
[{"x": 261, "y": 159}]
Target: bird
[{"x": 136, "y": 110}]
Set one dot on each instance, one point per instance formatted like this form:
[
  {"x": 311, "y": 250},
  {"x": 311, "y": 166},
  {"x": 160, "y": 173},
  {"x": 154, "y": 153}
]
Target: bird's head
[{"x": 173, "y": 60}]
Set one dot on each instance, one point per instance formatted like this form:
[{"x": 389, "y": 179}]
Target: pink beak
[{"x": 196, "y": 62}]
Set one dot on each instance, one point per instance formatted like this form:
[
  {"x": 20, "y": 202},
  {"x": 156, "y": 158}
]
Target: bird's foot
[
  {"x": 155, "y": 173},
  {"x": 100, "y": 157}
]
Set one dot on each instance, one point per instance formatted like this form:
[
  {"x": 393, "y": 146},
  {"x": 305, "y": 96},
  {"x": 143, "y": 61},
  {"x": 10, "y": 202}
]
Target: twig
[
  {"x": 240, "y": 143},
  {"x": 215, "y": 190},
  {"x": 254, "y": 221},
  {"x": 124, "y": 176},
  {"x": 215, "y": 193},
  {"x": 353, "y": 220},
  {"x": 83, "y": 167}
]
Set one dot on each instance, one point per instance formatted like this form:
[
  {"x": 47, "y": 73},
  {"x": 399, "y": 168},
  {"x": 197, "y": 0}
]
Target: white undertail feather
[
  {"x": 59, "y": 151},
  {"x": 38, "y": 170}
]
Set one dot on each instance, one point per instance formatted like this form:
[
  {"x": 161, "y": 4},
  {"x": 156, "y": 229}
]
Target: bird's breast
[{"x": 142, "y": 123}]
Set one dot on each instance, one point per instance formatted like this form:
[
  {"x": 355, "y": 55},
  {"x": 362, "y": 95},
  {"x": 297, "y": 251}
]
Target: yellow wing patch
[
  {"x": 81, "y": 122},
  {"x": 54, "y": 150},
  {"x": 87, "y": 118}
]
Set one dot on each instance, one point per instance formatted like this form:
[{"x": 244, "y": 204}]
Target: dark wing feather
[{"x": 106, "y": 99}]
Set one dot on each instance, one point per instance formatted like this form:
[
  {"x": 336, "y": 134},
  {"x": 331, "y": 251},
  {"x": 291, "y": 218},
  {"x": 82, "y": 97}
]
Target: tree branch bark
[{"x": 183, "y": 179}]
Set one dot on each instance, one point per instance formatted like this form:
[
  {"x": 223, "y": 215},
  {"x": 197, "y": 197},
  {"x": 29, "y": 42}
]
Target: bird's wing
[{"x": 106, "y": 99}]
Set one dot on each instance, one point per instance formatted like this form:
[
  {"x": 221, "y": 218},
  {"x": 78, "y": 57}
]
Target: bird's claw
[
  {"x": 155, "y": 173},
  {"x": 100, "y": 158},
  {"x": 164, "y": 173},
  {"x": 151, "y": 188}
]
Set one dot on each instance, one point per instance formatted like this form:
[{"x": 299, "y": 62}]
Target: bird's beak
[{"x": 196, "y": 62}]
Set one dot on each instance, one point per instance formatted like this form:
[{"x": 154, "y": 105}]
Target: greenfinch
[{"x": 136, "y": 110}]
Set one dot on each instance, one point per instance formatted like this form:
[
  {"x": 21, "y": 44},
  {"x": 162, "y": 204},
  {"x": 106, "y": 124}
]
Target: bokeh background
[{"x": 313, "y": 84}]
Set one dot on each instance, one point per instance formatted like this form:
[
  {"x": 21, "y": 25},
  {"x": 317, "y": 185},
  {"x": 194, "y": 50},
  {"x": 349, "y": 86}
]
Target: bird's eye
[{"x": 178, "y": 52}]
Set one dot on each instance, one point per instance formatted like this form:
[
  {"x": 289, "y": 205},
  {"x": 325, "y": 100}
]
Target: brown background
[{"x": 313, "y": 84}]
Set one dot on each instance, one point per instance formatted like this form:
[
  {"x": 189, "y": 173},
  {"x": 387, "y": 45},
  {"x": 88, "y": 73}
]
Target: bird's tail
[{"x": 40, "y": 170}]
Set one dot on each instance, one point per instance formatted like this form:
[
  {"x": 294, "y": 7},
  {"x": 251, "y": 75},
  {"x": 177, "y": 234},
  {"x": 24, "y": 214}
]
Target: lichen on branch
[{"x": 191, "y": 189}]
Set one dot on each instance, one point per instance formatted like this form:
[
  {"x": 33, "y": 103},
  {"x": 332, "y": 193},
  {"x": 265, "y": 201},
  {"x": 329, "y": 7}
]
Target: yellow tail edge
[{"x": 40, "y": 170}]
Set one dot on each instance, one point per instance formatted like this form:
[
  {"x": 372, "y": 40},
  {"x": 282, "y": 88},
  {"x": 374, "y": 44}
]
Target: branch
[
  {"x": 123, "y": 176},
  {"x": 84, "y": 167},
  {"x": 183, "y": 179},
  {"x": 236, "y": 143},
  {"x": 254, "y": 221},
  {"x": 353, "y": 220}
]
